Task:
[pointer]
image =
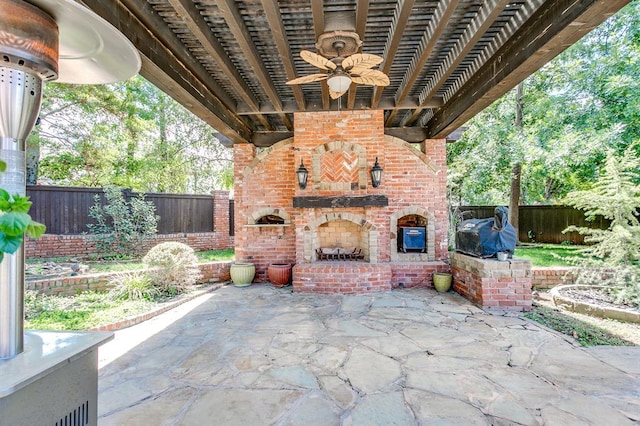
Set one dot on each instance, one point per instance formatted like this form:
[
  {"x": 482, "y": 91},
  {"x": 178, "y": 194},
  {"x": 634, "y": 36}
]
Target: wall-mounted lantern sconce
[
  {"x": 302, "y": 173},
  {"x": 376, "y": 174}
]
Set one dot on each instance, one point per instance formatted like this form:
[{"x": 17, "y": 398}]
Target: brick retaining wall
[
  {"x": 546, "y": 278},
  {"x": 69, "y": 286},
  {"x": 80, "y": 245}
]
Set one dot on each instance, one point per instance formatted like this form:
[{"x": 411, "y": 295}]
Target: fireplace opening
[
  {"x": 342, "y": 240},
  {"x": 270, "y": 219}
]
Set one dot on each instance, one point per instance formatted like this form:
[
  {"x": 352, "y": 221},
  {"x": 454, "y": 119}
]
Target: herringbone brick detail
[{"x": 339, "y": 166}]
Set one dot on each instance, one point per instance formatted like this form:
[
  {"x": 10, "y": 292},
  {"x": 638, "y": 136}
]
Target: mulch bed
[{"x": 596, "y": 296}]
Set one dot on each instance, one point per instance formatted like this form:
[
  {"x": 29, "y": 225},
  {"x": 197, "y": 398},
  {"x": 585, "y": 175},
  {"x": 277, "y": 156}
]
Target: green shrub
[
  {"x": 613, "y": 258},
  {"x": 133, "y": 286},
  {"x": 122, "y": 226},
  {"x": 172, "y": 266}
]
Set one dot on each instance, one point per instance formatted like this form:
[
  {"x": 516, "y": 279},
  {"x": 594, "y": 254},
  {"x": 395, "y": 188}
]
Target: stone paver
[{"x": 264, "y": 356}]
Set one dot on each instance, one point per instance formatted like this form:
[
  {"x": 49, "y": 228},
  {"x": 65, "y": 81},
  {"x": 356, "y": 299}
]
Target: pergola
[{"x": 228, "y": 61}]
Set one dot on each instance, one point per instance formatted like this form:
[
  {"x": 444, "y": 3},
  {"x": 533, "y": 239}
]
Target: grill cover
[{"x": 486, "y": 237}]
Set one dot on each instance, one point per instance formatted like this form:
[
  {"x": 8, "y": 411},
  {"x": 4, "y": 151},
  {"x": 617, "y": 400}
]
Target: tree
[
  {"x": 614, "y": 256},
  {"x": 128, "y": 134},
  {"x": 570, "y": 109}
]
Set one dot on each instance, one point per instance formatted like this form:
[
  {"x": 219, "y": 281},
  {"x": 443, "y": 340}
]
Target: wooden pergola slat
[{"x": 228, "y": 60}]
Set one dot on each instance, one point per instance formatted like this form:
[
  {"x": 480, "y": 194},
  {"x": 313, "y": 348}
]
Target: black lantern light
[
  {"x": 376, "y": 174},
  {"x": 302, "y": 173}
]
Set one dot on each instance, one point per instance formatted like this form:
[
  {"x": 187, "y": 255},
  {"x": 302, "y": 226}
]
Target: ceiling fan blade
[
  {"x": 361, "y": 61},
  {"x": 308, "y": 79},
  {"x": 336, "y": 95},
  {"x": 317, "y": 60},
  {"x": 371, "y": 77}
]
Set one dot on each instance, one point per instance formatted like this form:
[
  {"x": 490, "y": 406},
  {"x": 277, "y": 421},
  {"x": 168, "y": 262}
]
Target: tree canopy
[
  {"x": 128, "y": 134},
  {"x": 583, "y": 103}
]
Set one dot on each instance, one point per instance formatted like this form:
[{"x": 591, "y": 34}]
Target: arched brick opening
[
  {"x": 258, "y": 215},
  {"x": 326, "y": 227},
  {"x": 429, "y": 224}
]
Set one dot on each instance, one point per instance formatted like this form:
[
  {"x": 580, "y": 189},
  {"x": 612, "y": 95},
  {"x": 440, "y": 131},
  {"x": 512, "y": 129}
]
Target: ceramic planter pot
[
  {"x": 279, "y": 274},
  {"x": 442, "y": 282},
  {"x": 242, "y": 273}
]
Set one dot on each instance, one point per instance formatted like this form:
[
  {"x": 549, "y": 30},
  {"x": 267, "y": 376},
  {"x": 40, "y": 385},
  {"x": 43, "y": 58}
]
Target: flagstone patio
[{"x": 265, "y": 356}]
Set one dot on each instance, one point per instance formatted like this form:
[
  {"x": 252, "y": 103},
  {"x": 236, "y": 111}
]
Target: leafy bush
[
  {"x": 133, "y": 286},
  {"x": 122, "y": 226},
  {"x": 15, "y": 220},
  {"x": 172, "y": 266},
  {"x": 614, "y": 256}
]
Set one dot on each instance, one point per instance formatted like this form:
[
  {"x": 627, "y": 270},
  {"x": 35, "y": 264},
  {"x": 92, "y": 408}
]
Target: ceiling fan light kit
[
  {"x": 339, "y": 82},
  {"x": 338, "y": 56}
]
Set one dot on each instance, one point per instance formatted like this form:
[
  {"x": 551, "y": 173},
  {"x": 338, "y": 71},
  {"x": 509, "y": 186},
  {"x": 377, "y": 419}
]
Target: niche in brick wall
[{"x": 412, "y": 235}]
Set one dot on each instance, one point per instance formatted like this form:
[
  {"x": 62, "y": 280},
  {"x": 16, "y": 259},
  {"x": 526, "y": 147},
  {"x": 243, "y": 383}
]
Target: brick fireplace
[{"x": 341, "y": 234}]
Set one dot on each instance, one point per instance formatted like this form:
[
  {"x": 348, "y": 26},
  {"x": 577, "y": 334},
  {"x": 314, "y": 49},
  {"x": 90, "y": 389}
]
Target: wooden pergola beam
[
  {"x": 428, "y": 42},
  {"x": 400, "y": 21},
  {"x": 175, "y": 73},
  {"x": 234, "y": 21},
  {"x": 488, "y": 14},
  {"x": 362, "y": 10},
  {"x": 196, "y": 23},
  {"x": 385, "y": 103},
  {"x": 317, "y": 11},
  {"x": 272, "y": 12},
  {"x": 549, "y": 31}
]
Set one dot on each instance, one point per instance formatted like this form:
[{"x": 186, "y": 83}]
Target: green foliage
[
  {"x": 15, "y": 222},
  {"x": 172, "y": 266},
  {"x": 571, "y": 107},
  {"x": 127, "y": 134},
  {"x": 35, "y": 303},
  {"x": 613, "y": 258},
  {"x": 133, "y": 286},
  {"x": 216, "y": 255},
  {"x": 549, "y": 255},
  {"x": 80, "y": 312},
  {"x": 122, "y": 226}
]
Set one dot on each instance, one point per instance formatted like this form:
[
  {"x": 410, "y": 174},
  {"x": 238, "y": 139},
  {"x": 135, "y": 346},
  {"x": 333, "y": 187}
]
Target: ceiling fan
[{"x": 342, "y": 69}]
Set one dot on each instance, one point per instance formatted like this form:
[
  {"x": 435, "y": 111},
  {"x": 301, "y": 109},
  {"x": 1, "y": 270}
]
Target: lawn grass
[
  {"x": 548, "y": 254},
  {"x": 216, "y": 255},
  {"x": 81, "y": 312}
]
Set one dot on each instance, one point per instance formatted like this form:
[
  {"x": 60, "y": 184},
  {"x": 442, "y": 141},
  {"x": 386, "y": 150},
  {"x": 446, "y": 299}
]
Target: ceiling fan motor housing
[{"x": 338, "y": 44}]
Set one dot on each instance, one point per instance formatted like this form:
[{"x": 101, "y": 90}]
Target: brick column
[
  {"x": 221, "y": 219},
  {"x": 492, "y": 284}
]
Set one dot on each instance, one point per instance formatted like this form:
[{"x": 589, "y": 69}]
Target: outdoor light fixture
[
  {"x": 302, "y": 173},
  {"x": 339, "y": 82},
  {"x": 376, "y": 174}
]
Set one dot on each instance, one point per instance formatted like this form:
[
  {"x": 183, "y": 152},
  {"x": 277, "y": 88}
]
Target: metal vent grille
[{"x": 77, "y": 417}]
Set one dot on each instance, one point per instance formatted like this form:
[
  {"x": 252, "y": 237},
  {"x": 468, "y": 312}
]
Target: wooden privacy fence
[
  {"x": 543, "y": 224},
  {"x": 65, "y": 210}
]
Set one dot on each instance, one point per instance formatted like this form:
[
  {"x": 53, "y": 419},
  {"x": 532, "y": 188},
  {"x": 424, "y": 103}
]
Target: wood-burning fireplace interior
[{"x": 341, "y": 236}]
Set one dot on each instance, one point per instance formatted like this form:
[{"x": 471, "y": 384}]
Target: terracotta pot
[
  {"x": 442, "y": 281},
  {"x": 279, "y": 274},
  {"x": 242, "y": 273}
]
